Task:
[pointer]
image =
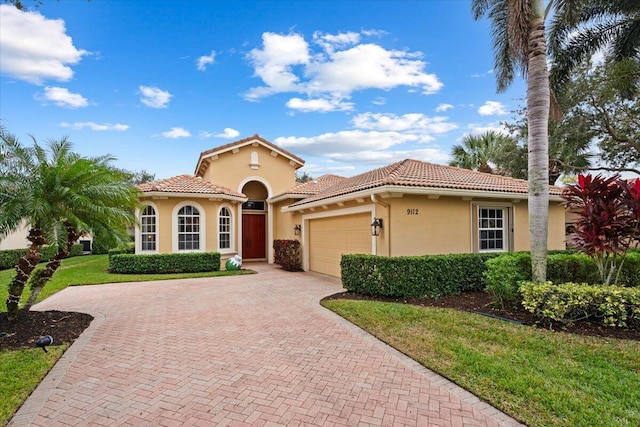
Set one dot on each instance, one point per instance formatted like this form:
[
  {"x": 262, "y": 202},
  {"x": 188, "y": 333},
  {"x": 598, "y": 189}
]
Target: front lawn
[{"x": 540, "y": 377}]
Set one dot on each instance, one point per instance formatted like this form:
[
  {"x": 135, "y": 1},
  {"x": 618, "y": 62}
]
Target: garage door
[{"x": 331, "y": 237}]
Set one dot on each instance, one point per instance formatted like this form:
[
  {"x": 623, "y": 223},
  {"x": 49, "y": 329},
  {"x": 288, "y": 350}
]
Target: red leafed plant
[{"x": 608, "y": 212}]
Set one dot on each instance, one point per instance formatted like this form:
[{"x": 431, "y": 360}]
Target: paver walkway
[{"x": 242, "y": 350}]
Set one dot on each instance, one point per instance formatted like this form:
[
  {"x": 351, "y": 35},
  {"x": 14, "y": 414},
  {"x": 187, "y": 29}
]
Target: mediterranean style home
[{"x": 244, "y": 195}]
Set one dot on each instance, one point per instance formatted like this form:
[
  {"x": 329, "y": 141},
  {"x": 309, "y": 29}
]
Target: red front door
[{"x": 253, "y": 236}]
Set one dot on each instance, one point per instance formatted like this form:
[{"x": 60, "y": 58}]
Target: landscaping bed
[
  {"x": 64, "y": 327},
  {"x": 482, "y": 302}
]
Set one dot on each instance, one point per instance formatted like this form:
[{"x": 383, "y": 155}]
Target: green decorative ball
[{"x": 233, "y": 263}]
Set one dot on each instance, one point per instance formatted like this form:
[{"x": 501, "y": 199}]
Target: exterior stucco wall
[
  {"x": 230, "y": 169},
  {"x": 284, "y": 222},
  {"x": 16, "y": 240},
  {"x": 556, "y": 236},
  {"x": 422, "y": 226}
]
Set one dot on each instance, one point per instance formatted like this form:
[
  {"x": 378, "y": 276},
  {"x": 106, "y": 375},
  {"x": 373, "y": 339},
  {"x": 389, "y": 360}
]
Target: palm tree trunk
[
  {"x": 52, "y": 266},
  {"x": 24, "y": 268},
  {"x": 538, "y": 98}
]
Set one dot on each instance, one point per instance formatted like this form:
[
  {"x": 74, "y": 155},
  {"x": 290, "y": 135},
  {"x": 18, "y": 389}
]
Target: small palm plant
[{"x": 59, "y": 195}]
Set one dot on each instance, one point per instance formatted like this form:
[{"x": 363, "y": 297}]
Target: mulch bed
[
  {"x": 480, "y": 302},
  {"x": 64, "y": 327}
]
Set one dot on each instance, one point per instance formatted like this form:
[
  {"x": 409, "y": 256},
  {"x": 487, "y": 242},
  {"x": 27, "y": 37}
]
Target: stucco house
[{"x": 244, "y": 195}]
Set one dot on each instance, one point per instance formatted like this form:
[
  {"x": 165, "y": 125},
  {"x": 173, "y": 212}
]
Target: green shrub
[
  {"x": 9, "y": 258},
  {"x": 418, "y": 276},
  {"x": 569, "y": 302},
  {"x": 164, "y": 263},
  {"x": 128, "y": 249},
  {"x": 503, "y": 276},
  {"x": 287, "y": 254}
]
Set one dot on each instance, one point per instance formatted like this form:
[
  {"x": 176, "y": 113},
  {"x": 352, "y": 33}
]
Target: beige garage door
[{"x": 329, "y": 238}]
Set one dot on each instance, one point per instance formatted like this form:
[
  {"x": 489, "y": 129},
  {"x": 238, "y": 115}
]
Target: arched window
[
  {"x": 188, "y": 228},
  {"x": 224, "y": 228},
  {"x": 148, "y": 229}
]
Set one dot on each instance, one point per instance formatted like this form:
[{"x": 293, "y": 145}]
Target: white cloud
[
  {"x": 34, "y": 48},
  {"x": 331, "y": 42},
  {"x": 176, "y": 132},
  {"x": 379, "y": 101},
  {"x": 319, "y": 105},
  {"x": 492, "y": 108},
  {"x": 443, "y": 107},
  {"x": 413, "y": 122},
  {"x": 203, "y": 61},
  {"x": 273, "y": 63},
  {"x": 95, "y": 126},
  {"x": 351, "y": 146},
  {"x": 154, "y": 97},
  {"x": 228, "y": 133},
  {"x": 61, "y": 97},
  {"x": 286, "y": 63}
]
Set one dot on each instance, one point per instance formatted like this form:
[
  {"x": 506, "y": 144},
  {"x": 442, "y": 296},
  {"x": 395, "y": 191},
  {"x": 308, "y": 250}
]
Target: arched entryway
[{"x": 254, "y": 221}]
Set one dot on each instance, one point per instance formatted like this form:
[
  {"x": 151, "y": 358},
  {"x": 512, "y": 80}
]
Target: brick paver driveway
[{"x": 241, "y": 350}]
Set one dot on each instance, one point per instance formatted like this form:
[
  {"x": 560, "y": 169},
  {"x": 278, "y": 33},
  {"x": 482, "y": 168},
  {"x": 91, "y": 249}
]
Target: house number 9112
[{"x": 412, "y": 211}]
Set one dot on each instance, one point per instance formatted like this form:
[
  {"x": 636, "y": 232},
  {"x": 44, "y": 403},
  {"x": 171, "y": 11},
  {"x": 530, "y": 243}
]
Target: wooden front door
[{"x": 253, "y": 236}]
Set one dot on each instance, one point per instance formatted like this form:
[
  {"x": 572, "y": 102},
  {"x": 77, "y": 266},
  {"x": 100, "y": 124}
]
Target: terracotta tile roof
[
  {"x": 414, "y": 173},
  {"x": 314, "y": 186},
  {"x": 271, "y": 145},
  {"x": 187, "y": 184}
]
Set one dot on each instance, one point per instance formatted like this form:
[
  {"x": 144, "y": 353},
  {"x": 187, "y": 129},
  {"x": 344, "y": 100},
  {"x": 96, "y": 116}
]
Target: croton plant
[{"x": 608, "y": 224}]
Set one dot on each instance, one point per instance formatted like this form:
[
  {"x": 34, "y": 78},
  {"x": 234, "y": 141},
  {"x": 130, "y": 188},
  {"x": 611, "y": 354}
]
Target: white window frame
[
  {"x": 201, "y": 230},
  {"x": 505, "y": 229},
  {"x": 232, "y": 243},
  {"x": 148, "y": 221},
  {"x": 138, "y": 231}
]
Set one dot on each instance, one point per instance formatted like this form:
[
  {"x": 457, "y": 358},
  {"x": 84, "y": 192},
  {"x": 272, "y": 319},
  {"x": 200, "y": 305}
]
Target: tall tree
[
  {"x": 519, "y": 42},
  {"x": 477, "y": 152},
  {"x": 59, "y": 194}
]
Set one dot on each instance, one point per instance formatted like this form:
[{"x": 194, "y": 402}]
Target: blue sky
[{"x": 346, "y": 85}]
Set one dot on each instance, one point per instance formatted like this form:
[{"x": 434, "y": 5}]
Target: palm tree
[
  {"x": 519, "y": 43},
  {"x": 59, "y": 194},
  {"x": 476, "y": 151},
  {"x": 584, "y": 27}
]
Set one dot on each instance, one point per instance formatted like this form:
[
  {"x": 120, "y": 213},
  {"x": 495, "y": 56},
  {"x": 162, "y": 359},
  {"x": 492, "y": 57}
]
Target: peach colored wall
[
  {"x": 422, "y": 226},
  {"x": 556, "y": 236},
  {"x": 230, "y": 169},
  {"x": 165, "y": 221},
  {"x": 284, "y": 222}
]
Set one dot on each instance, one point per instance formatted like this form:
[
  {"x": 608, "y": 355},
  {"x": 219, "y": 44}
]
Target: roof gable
[{"x": 206, "y": 156}]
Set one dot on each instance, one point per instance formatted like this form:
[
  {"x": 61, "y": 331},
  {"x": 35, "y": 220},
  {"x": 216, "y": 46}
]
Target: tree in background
[
  {"x": 582, "y": 28},
  {"x": 303, "y": 177},
  {"x": 519, "y": 42},
  {"x": 59, "y": 194},
  {"x": 477, "y": 152}
]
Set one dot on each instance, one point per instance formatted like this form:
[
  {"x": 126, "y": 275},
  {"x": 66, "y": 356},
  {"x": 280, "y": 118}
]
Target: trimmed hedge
[
  {"x": 569, "y": 302},
  {"x": 164, "y": 263},
  {"x": 415, "y": 276},
  {"x": 9, "y": 258},
  {"x": 128, "y": 249},
  {"x": 287, "y": 254},
  {"x": 514, "y": 267}
]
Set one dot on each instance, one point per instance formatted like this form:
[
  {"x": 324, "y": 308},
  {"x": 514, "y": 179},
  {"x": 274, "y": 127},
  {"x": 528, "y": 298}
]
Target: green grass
[
  {"x": 22, "y": 370},
  {"x": 540, "y": 377},
  {"x": 92, "y": 270}
]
